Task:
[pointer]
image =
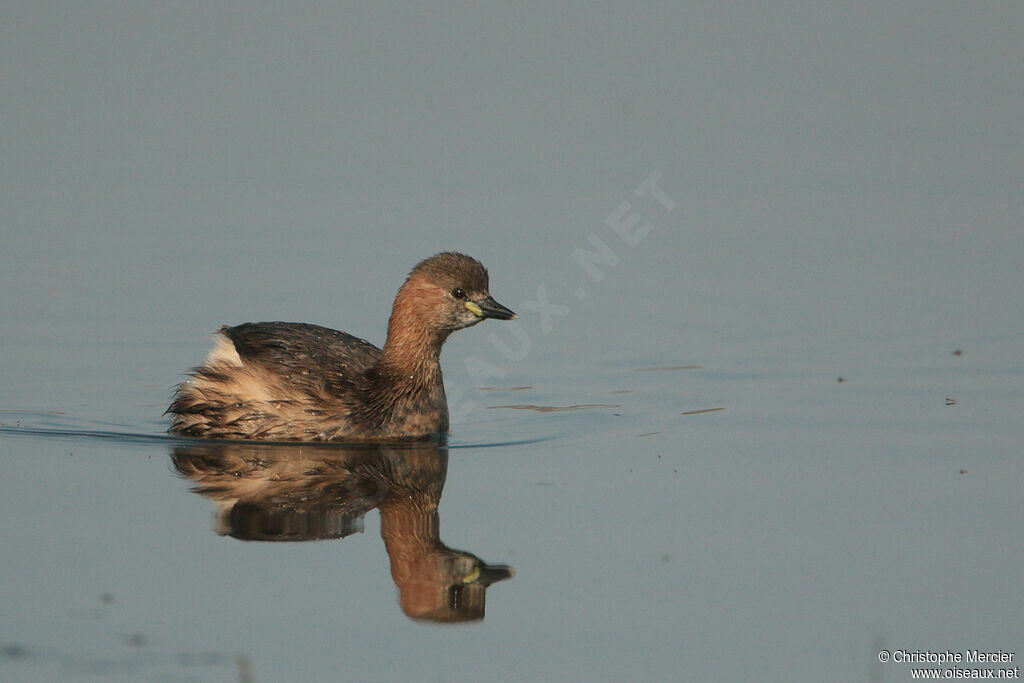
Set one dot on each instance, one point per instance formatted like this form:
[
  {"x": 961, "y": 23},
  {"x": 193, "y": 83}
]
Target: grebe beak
[
  {"x": 486, "y": 574},
  {"x": 492, "y": 573},
  {"x": 489, "y": 308}
]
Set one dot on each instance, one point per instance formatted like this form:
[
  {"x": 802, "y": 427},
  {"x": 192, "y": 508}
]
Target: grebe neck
[{"x": 413, "y": 346}]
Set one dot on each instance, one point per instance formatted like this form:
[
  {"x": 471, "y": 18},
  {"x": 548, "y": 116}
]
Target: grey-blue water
[{"x": 760, "y": 418}]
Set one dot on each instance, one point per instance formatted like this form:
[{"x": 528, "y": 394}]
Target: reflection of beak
[
  {"x": 489, "y": 308},
  {"x": 493, "y": 573}
]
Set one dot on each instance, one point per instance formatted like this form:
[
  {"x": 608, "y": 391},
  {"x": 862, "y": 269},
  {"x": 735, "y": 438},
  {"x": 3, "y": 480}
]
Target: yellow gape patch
[
  {"x": 475, "y": 574},
  {"x": 475, "y": 309}
]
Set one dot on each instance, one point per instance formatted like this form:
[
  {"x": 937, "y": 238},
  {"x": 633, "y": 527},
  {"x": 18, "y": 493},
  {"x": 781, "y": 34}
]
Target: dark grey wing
[{"x": 308, "y": 355}]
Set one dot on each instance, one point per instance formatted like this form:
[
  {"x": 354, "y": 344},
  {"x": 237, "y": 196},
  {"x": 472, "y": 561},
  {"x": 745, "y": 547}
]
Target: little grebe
[{"x": 298, "y": 382}]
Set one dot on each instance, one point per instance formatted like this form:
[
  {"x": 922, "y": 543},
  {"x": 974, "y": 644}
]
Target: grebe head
[{"x": 447, "y": 292}]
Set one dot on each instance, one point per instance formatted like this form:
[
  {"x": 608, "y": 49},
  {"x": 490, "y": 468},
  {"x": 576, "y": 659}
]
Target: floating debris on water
[
  {"x": 556, "y": 409},
  {"x": 701, "y": 411},
  {"x": 136, "y": 640},
  {"x": 12, "y": 651},
  {"x": 504, "y": 388}
]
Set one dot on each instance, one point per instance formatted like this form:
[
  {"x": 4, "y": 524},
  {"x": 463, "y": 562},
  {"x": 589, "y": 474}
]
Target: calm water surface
[
  {"x": 764, "y": 438},
  {"x": 807, "y": 513}
]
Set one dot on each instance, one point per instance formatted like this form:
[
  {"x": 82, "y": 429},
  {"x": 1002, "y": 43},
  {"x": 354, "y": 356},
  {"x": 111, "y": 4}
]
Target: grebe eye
[{"x": 458, "y": 293}]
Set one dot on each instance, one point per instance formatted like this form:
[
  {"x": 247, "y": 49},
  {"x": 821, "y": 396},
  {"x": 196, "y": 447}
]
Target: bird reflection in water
[{"x": 267, "y": 492}]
